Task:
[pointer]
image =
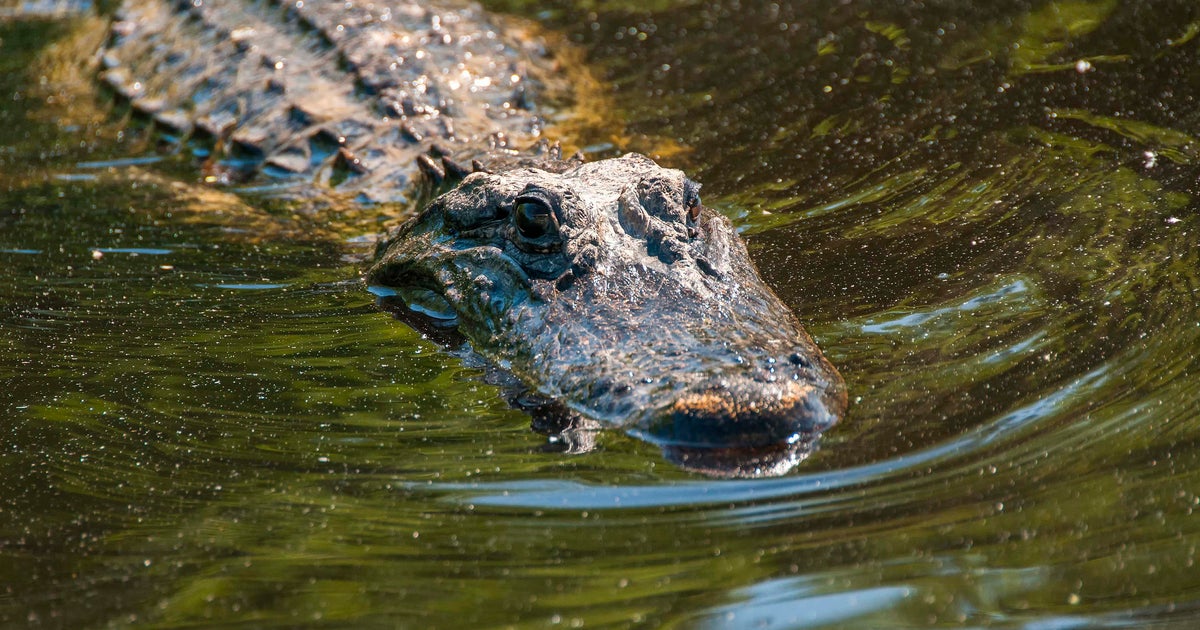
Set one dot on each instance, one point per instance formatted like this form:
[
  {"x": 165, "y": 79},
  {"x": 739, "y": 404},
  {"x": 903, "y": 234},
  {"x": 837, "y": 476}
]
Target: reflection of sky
[
  {"x": 147, "y": 251},
  {"x": 569, "y": 495},
  {"x": 1012, "y": 292},
  {"x": 788, "y": 603},
  {"x": 1050, "y": 405},
  {"x": 800, "y": 602},
  {"x": 119, "y": 162},
  {"x": 248, "y": 286}
]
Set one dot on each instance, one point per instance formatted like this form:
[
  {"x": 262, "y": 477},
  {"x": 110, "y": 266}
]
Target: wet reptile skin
[
  {"x": 606, "y": 288},
  {"x": 321, "y": 94}
]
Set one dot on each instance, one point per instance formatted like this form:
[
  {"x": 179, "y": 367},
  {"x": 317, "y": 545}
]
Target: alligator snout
[
  {"x": 744, "y": 417},
  {"x": 750, "y": 425}
]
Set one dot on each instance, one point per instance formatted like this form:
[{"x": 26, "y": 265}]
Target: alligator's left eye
[
  {"x": 533, "y": 215},
  {"x": 691, "y": 199}
]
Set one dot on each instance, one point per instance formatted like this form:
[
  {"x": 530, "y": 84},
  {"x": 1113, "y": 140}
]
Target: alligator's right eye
[{"x": 533, "y": 217}]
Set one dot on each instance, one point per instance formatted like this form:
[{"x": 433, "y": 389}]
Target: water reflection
[
  {"x": 795, "y": 489},
  {"x": 986, "y": 213},
  {"x": 787, "y": 603}
]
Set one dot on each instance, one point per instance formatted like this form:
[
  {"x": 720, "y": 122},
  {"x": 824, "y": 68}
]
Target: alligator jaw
[
  {"x": 609, "y": 289},
  {"x": 744, "y": 417}
]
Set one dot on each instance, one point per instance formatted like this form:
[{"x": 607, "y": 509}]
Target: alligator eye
[
  {"x": 691, "y": 199},
  {"x": 533, "y": 217}
]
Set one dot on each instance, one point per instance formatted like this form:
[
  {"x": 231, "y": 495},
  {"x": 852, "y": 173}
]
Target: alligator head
[{"x": 610, "y": 289}]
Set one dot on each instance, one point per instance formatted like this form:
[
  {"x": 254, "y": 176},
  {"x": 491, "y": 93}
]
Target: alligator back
[{"x": 329, "y": 96}]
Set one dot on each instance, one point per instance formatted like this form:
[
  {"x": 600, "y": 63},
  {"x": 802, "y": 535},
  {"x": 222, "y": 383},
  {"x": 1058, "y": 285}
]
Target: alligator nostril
[
  {"x": 606, "y": 386},
  {"x": 799, "y": 359}
]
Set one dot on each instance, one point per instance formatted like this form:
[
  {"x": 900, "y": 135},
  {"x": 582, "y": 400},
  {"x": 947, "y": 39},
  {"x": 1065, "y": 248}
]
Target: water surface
[{"x": 985, "y": 212}]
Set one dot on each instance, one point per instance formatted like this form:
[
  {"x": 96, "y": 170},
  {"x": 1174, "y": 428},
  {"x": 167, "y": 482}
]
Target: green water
[{"x": 985, "y": 212}]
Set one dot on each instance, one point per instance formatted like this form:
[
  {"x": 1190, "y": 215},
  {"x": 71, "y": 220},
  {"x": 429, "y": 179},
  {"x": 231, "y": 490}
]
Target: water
[{"x": 985, "y": 213}]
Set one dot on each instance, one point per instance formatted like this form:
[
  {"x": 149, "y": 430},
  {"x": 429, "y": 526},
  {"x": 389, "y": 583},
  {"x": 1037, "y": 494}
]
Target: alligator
[{"x": 606, "y": 288}]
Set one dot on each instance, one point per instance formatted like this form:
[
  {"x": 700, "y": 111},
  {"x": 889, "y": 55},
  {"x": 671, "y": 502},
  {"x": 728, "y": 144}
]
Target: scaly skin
[
  {"x": 604, "y": 287},
  {"x": 329, "y": 96},
  {"x": 610, "y": 289}
]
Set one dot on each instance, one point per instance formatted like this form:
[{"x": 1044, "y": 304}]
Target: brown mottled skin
[{"x": 606, "y": 288}]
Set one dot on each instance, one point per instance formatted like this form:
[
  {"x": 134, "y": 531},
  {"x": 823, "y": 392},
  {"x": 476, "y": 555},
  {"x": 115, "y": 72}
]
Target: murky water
[{"x": 985, "y": 212}]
